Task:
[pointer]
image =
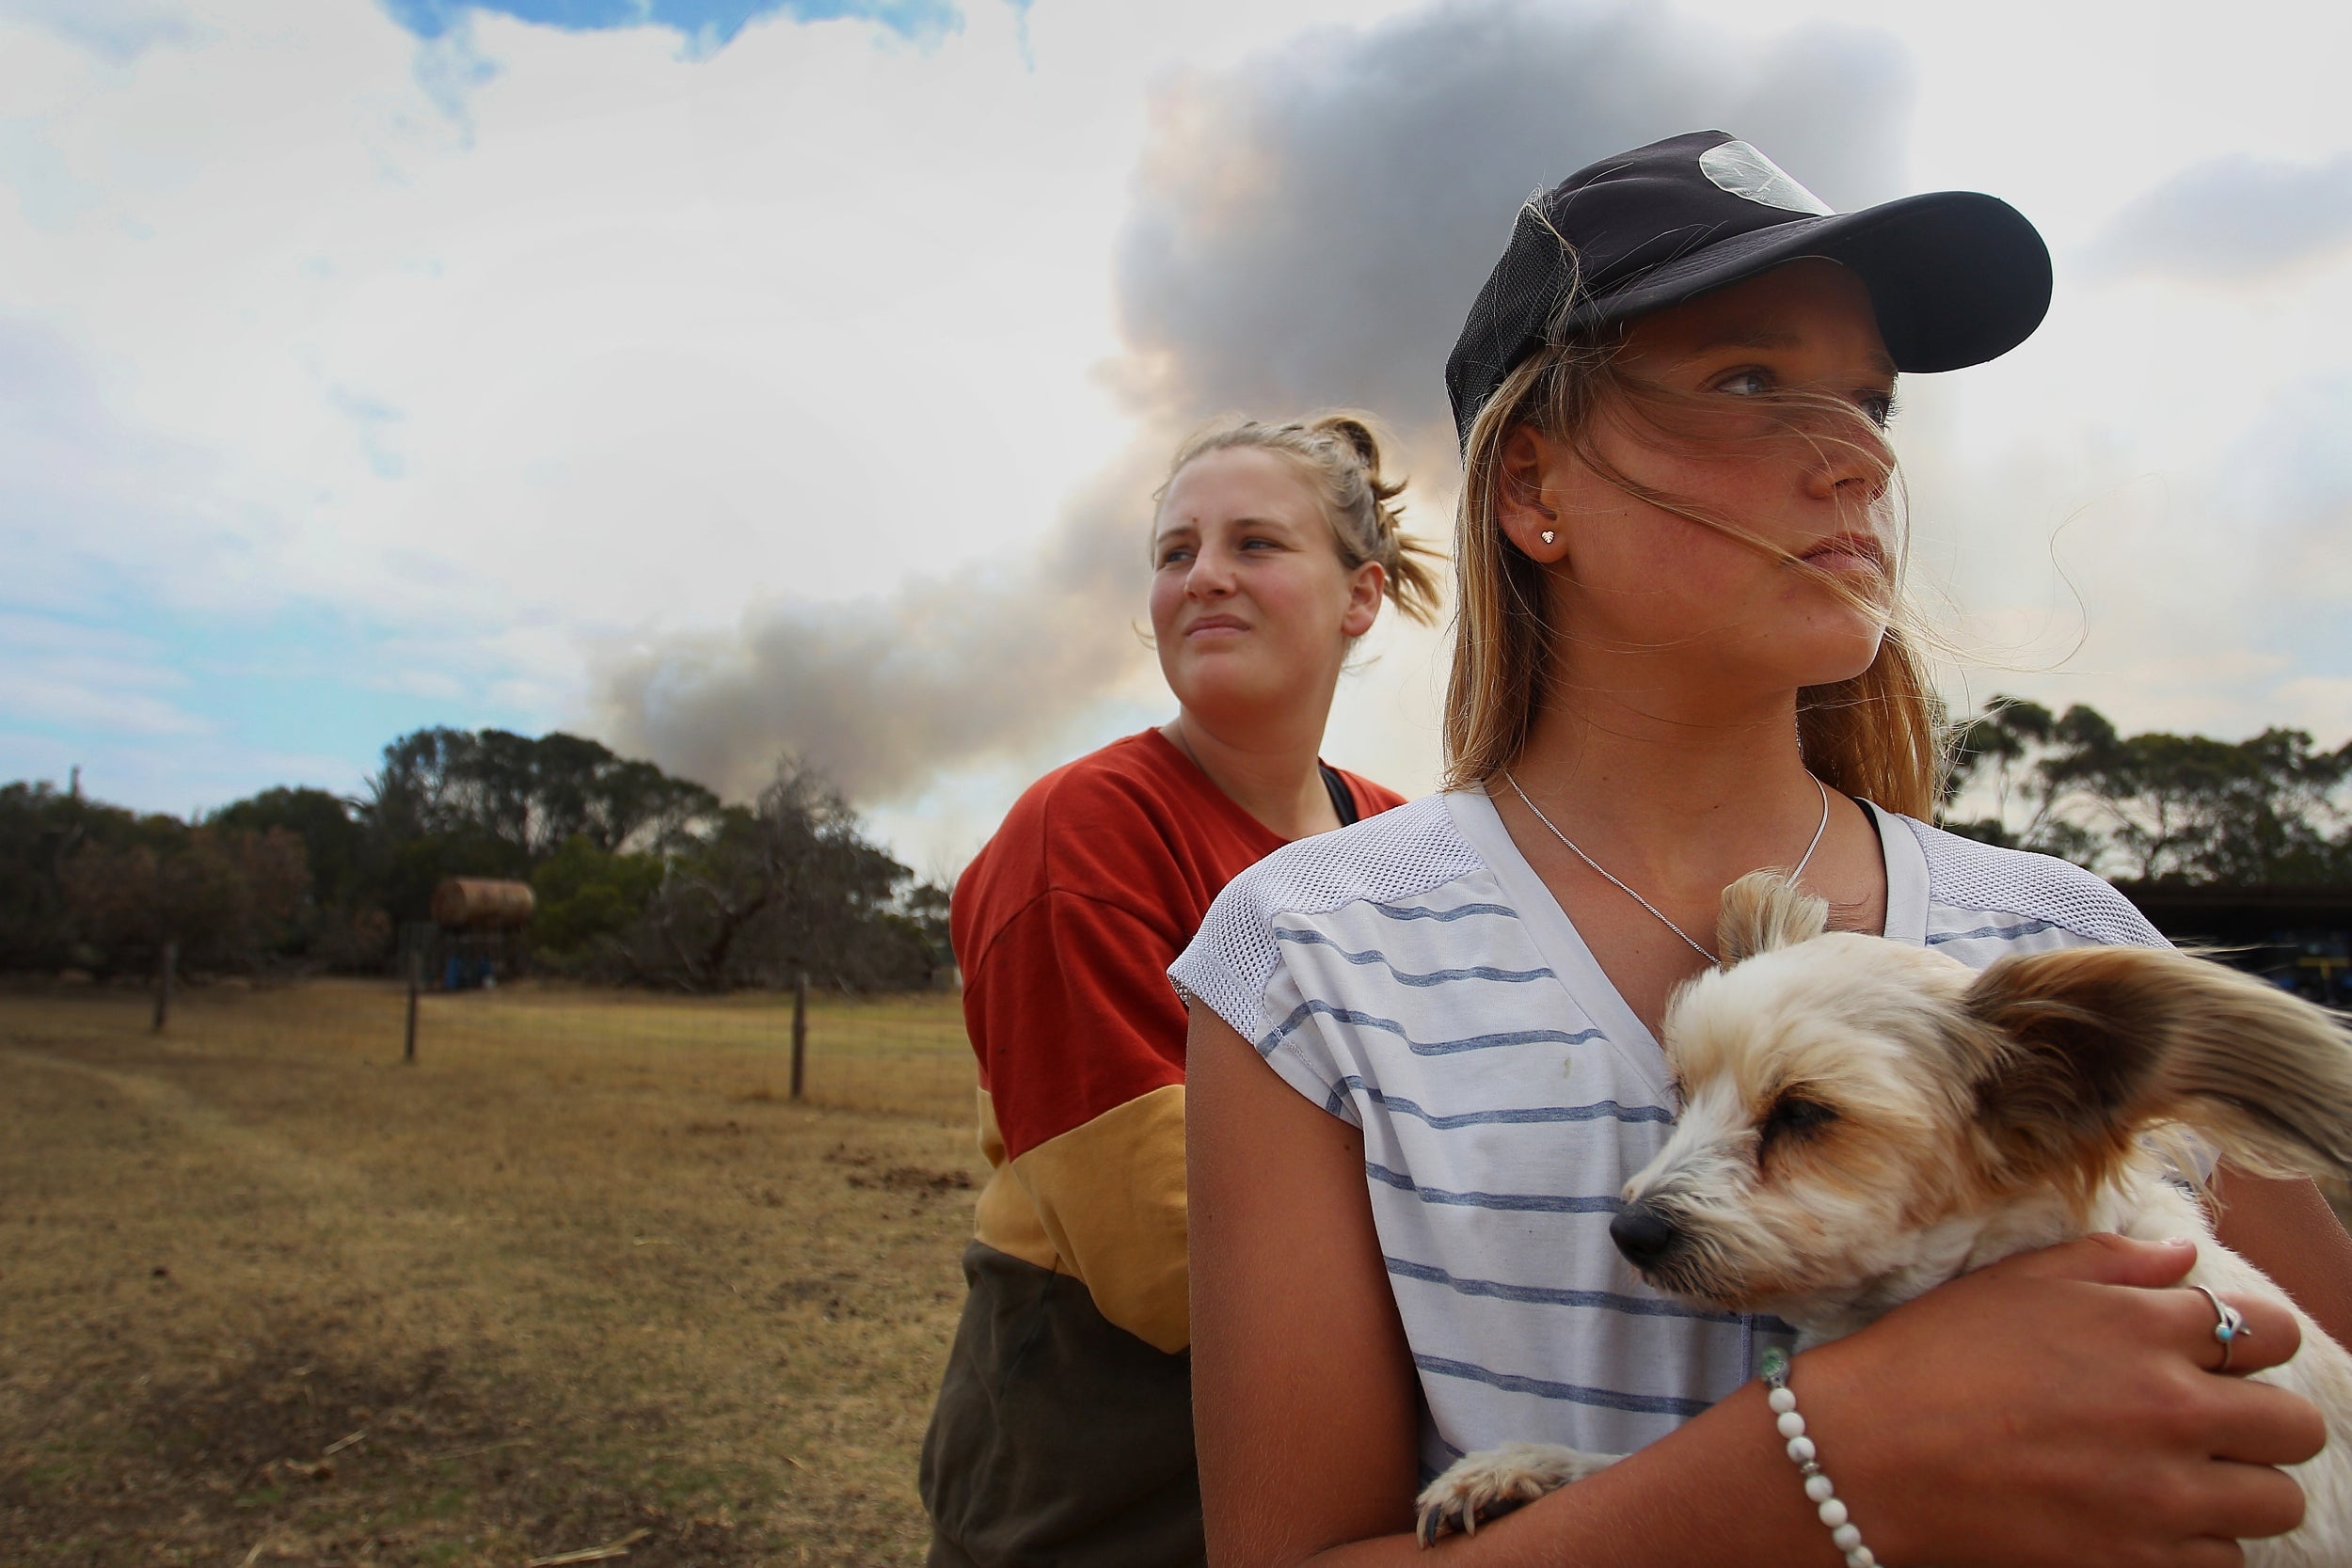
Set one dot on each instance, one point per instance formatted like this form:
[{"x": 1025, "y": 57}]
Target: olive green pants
[{"x": 1059, "y": 1440}]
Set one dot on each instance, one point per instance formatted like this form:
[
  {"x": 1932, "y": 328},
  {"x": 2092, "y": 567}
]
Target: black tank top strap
[{"x": 1343, "y": 798}]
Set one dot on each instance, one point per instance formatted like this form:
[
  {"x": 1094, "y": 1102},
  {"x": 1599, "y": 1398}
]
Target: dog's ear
[
  {"x": 2088, "y": 1046},
  {"x": 1763, "y": 911}
]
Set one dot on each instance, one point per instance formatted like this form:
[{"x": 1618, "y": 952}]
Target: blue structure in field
[{"x": 479, "y": 924}]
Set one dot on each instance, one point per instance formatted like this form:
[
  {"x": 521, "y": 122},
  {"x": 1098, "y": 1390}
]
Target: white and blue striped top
[{"x": 1412, "y": 976}]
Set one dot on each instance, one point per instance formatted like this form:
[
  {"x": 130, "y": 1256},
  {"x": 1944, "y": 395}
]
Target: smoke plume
[
  {"x": 1307, "y": 231},
  {"x": 880, "y": 696}
]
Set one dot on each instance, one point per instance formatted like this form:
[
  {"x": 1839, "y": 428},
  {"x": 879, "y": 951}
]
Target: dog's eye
[{"x": 1793, "y": 1116}]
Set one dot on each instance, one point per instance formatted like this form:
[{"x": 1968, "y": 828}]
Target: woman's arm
[
  {"x": 2062, "y": 1420},
  {"x": 1305, "y": 1404},
  {"x": 1306, "y": 1425},
  {"x": 2286, "y": 1229}
]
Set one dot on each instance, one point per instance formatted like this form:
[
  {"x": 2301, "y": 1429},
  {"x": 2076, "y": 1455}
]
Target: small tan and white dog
[{"x": 1863, "y": 1120}]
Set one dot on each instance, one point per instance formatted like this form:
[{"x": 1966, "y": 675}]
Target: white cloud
[{"x": 116, "y": 31}]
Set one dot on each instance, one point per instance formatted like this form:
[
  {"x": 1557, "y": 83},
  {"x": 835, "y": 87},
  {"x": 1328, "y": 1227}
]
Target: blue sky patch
[
  {"x": 709, "y": 23},
  {"x": 169, "y": 709}
]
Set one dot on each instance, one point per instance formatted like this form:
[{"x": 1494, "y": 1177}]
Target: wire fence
[{"x": 901, "y": 1055}]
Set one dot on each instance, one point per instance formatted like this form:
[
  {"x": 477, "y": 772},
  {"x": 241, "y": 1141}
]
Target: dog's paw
[{"x": 1488, "y": 1486}]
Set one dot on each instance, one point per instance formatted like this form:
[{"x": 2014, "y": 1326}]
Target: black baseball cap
[{"x": 1955, "y": 277}]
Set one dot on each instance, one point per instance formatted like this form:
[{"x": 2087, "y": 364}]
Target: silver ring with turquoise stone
[{"x": 2230, "y": 1324}]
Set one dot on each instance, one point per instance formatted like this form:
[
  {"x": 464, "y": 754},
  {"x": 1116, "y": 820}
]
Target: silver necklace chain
[{"x": 1621, "y": 887}]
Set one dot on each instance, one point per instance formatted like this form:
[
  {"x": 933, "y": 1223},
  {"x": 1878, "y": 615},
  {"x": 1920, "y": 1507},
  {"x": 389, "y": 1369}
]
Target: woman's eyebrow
[
  {"x": 1765, "y": 338},
  {"x": 1250, "y": 520}
]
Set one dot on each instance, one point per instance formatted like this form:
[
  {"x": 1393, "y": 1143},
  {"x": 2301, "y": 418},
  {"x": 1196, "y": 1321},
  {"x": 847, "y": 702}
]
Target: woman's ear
[
  {"x": 1525, "y": 500},
  {"x": 1365, "y": 586}
]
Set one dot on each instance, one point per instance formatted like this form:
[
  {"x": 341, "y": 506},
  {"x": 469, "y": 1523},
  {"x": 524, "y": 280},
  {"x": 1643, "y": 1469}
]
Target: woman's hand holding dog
[{"x": 2062, "y": 1407}]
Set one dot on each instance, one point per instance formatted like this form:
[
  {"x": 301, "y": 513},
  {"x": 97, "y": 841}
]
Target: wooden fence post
[
  {"x": 416, "y": 976},
  {"x": 163, "y": 968},
  {"x": 799, "y": 1033}
]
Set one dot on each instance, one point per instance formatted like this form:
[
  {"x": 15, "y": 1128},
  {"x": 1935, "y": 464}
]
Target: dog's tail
[{"x": 2088, "y": 1048}]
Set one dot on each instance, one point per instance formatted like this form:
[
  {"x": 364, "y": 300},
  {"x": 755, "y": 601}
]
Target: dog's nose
[{"x": 1641, "y": 1233}]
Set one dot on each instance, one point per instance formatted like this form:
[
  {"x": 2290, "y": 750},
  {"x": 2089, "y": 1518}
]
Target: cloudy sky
[{"x": 719, "y": 376}]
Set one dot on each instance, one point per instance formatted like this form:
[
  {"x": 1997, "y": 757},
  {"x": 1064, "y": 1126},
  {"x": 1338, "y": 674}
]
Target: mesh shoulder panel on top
[
  {"x": 1394, "y": 855},
  {"x": 1964, "y": 873}
]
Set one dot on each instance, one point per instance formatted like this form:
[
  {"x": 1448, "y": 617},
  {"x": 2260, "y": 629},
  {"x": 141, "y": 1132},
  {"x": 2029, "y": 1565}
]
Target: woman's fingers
[
  {"x": 2211, "y": 1554},
  {"x": 2268, "y": 1334},
  {"x": 2110, "y": 1259},
  {"x": 2109, "y": 1434},
  {"x": 2105, "y": 1259},
  {"x": 2256, "y": 1424},
  {"x": 2257, "y": 1500}
]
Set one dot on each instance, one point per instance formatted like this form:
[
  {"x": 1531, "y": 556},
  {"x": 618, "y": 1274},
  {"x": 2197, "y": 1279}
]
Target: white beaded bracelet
[{"x": 1842, "y": 1531}]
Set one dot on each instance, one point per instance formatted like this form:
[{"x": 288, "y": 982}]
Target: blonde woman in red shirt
[{"x": 1063, "y": 1432}]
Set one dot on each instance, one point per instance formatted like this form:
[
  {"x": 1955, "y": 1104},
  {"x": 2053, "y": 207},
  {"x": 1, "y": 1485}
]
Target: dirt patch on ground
[{"x": 297, "y": 1454}]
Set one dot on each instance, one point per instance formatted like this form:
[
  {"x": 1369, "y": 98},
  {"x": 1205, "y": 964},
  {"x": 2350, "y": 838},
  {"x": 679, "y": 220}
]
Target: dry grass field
[{"x": 581, "y": 1277}]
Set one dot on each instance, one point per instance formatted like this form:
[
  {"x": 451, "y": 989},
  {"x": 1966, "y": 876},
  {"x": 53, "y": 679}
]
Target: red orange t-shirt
[{"x": 1065, "y": 925}]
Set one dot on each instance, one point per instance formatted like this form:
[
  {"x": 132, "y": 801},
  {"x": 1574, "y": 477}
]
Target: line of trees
[
  {"x": 648, "y": 880},
  {"x": 640, "y": 878},
  {"x": 2181, "y": 809}
]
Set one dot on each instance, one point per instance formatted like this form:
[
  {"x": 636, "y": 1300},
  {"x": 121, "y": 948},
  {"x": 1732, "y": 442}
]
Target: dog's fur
[{"x": 1864, "y": 1120}]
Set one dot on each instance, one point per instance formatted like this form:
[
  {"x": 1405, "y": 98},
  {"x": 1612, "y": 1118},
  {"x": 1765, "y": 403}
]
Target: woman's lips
[
  {"x": 1847, "y": 553},
  {"x": 1215, "y": 625}
]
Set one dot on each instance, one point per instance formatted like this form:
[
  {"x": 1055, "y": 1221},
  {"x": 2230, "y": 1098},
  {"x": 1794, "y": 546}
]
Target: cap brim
[{"x": 1956, "y": 277}]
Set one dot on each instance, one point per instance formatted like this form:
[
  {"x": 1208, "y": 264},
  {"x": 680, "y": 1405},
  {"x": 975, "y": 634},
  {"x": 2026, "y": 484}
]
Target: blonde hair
[
  {"x": 1338, "y": 453},
  {"x": 1879, "y": 735}
]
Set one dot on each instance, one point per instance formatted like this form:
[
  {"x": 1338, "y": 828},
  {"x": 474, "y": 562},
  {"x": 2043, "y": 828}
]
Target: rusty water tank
[{"x": 482, "y": 904}]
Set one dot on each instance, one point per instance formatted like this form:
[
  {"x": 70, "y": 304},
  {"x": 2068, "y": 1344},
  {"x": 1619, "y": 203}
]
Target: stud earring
[{"x": 1548, "y": 537}]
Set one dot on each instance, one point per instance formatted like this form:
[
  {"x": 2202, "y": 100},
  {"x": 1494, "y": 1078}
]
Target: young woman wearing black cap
[{"x": 1423, "y": 1056}]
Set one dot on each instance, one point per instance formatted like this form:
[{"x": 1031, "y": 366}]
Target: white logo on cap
[{"x": 1737, "y": 168}]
